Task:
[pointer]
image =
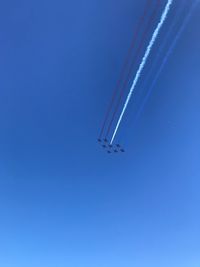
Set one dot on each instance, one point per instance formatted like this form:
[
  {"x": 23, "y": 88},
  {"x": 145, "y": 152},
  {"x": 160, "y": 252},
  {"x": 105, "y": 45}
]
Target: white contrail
[
  {"x": 143, "y": 62},
  {"x": 169, "y": 52}
]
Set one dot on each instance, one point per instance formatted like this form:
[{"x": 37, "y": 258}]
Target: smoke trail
[
  {"x": 144, "y": 59},
  {"x": 136, "y": 55},
  {"x": 163, "y": 44},
  {"x": 170, "y": 50},
  {"x": 125, "y": 66}
]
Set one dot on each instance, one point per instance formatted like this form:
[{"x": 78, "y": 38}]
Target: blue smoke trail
[
  {"x": 164, "y": 43},
  {"x": 144, "y": 60},
  {"x": 170, "y": 50}
]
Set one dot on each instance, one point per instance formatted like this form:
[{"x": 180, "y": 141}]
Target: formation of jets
[{"x": 110, "y": 148}]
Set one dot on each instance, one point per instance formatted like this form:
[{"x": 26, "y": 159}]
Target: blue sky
[{"x": 63, "y": 202}]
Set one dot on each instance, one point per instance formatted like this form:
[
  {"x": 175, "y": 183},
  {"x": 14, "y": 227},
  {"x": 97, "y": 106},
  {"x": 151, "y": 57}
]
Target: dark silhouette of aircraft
[{"x": 109, "y": 148}]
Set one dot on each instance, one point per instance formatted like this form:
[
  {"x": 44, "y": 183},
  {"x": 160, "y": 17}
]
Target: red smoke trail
[
  {"x": 150, "y": 22},
  {"x": 139, "y": 24}
]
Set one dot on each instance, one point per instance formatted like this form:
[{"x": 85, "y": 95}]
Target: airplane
[
  {"x": 104, "y": 146},
  {"x": 118, "y": 145},
  {"x": 110, "y": 146},
  {"x": 99, "y": 140},
  {"x": 105, "y": 140},
  {"x": 108, "y": 151},
  {"x": 115, "y": 151},
  {"x": 122, "y": 150}
]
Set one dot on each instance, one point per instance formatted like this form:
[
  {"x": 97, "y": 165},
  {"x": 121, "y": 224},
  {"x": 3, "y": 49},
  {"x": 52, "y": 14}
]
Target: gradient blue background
[{"x": 63, "y": 202}]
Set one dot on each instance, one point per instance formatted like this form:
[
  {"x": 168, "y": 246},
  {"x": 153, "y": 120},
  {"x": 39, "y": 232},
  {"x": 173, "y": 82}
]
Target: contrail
[
  {"x": 170, "y": 50},
  {"x": 125, "y": 66},
  {"x": 164, "y": 44},
  {"x": 144, "y": 59},
  {"x": 136, "y": 55}
]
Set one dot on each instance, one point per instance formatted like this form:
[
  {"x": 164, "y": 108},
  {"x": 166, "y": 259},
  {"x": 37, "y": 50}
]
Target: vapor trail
[
  {"x": 170, "y": 50},
  {"x": 125, "y": 66},
  {"x": 144, "y": 59},
  {"x": 136, "y": 55},
  {"x": 164, "y": 43}
]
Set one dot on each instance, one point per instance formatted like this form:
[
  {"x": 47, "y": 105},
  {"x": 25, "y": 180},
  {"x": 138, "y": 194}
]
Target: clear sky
[{"x": 63, "y": 201}]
